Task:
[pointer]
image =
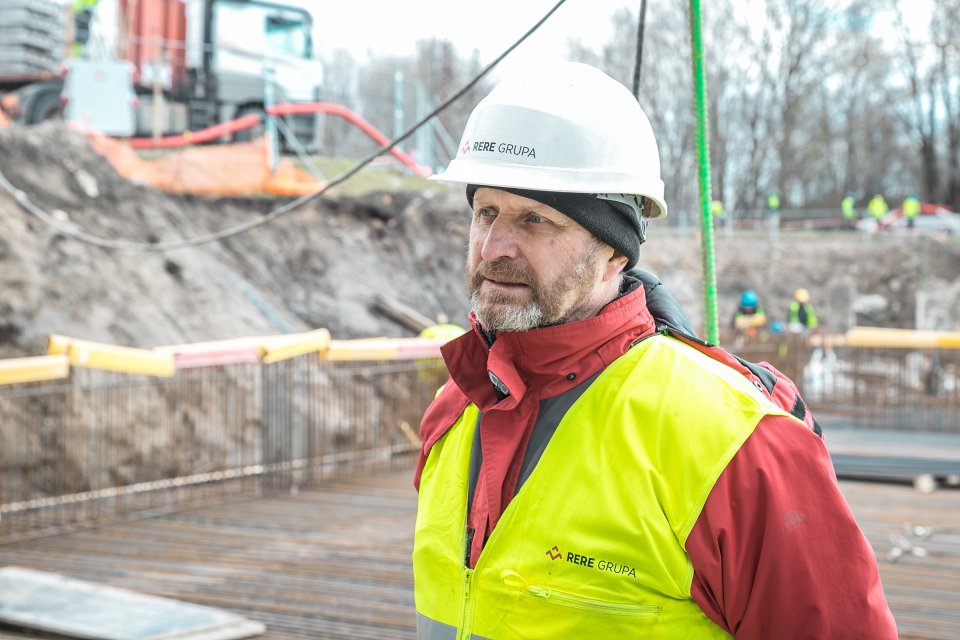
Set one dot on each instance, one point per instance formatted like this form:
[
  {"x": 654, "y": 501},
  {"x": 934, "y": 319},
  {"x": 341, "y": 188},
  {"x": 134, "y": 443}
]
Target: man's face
[{"x": 529, "y": 265}]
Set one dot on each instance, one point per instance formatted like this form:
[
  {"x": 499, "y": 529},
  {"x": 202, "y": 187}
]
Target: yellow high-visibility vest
[{"x": 592, "y": 546}]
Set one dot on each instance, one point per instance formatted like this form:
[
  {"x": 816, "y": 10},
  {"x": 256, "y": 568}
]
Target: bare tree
[
  {"x": 945, "y": 35},
  {"x": 339, "y": 86},
  {"x": 805, "y": 97}
]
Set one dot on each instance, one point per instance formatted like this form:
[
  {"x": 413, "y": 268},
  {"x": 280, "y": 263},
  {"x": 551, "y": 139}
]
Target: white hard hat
[{"x": 569, "y": 128}]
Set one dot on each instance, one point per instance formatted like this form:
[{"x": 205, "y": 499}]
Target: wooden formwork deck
[{"x": 335, "y": 563}]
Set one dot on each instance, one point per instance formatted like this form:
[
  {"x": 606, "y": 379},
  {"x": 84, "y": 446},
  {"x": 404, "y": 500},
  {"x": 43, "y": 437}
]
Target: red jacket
[{"x": 776, "y": 551}]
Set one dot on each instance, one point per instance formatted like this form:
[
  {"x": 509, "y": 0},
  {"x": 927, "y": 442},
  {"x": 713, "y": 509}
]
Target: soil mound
[{"x": 322, "y": 265}]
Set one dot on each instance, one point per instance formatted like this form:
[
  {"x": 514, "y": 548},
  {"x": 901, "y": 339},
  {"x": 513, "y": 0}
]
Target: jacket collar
[{"x": 546, "y": 361}]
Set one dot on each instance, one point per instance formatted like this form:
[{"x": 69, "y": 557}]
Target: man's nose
[{"x": 499, "y": 241}]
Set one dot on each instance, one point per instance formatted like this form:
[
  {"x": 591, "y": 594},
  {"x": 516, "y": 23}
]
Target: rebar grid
[{"x": 104, "y": 445}]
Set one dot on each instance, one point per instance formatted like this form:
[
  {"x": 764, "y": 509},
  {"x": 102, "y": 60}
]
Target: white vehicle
[
  {"x": 937, "y": 222},
  {"x": 933, "y": 218},
  {"x": 196, "y": 63},
  {"x": 231, "y": 49}
]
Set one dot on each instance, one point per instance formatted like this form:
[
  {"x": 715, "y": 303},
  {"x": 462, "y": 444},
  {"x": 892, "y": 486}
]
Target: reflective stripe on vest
[
  {"x": 428, "y": 629},
  {"x": 593, "y": 543}
]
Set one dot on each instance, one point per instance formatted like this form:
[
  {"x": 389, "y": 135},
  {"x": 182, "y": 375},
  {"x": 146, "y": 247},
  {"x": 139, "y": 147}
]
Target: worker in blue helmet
[{"x": 749, "y": 317}]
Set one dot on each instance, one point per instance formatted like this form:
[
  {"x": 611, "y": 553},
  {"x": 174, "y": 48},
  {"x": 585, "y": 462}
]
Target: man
[
  {"x": 588, "y": 471},
  {"x": 848, "y": 209},
  {"x": 878, "y": 208},
  {"x": 911, "y": 209},
  {"x": 717, "y": 210},
  {"x": 750, "y": 316},
  {"x": 801, "y": 315},
  {"x": 773, "y": 202}
]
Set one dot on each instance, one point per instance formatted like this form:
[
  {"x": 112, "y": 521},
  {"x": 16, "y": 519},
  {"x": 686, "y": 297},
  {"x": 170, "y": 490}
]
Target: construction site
[{"x": 212, "y": 373}]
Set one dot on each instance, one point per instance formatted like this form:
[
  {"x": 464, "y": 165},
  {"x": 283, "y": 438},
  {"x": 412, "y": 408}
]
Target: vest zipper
[
  {"x": 465, "y": 625},
  {"x": 513, "y": 579},
  {"x": 465, "y": 619}
]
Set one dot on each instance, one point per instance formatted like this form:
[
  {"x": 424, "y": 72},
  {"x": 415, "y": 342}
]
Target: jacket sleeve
[{"x": 776, "y": 551}]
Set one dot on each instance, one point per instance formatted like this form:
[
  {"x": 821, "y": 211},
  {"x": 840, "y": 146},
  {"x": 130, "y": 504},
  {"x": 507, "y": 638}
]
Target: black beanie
[{"x": 614, "y": 223}]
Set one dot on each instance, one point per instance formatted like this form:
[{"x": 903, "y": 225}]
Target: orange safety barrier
[
  {"x": 229, "y": 169},
  {"x": 216, "y": 170},
  {"x": 293, "y": 108}
]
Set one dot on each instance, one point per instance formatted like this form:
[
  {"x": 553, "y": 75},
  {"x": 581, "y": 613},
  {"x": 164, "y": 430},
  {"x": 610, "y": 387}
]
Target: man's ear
[{"x": 615, "y": 265}]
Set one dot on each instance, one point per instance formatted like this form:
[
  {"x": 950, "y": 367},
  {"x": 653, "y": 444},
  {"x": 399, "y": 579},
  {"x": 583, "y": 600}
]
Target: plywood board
[{"x": 80, "y": 609}]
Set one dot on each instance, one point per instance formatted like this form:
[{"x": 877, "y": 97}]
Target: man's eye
[
  {"x": 534, "y": 218},
  {"x": 486, "y": 212}
]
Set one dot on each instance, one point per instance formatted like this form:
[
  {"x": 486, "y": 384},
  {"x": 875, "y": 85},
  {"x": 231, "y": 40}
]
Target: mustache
[{"x": 503, "y": 271}]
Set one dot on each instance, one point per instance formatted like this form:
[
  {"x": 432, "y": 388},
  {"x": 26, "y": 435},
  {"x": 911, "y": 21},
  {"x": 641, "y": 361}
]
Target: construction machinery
[{"x": 186, "y": 64}]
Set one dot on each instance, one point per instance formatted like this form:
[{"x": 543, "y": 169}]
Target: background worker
[
  {"x": 589, "y": 470},
  {"x": 801, "y": 315},
  {"x": 773, "y": 203},
  {"x": 878, "y": 208},
  {"x": 848, "y": 209},
  {"x": 773, "y": 215},
  {"x": 750, "y": 316},
  {"x": 442, "y": 330},
  {"x": 431, "y": 370},
  {"x": 717, "y": 211},
  {"x": 911, "y": 209},
  {"x": 82, "y": 16}
]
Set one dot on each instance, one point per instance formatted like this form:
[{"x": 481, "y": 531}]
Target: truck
[{"x": 188, "y": 64}]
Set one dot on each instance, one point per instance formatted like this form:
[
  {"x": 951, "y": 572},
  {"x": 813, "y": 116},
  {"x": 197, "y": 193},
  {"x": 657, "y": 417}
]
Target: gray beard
[
  {"x": 509, "y": 317},
  {"x": 502, "y": 314}
]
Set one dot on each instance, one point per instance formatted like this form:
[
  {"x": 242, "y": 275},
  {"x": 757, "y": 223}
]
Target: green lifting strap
[{"x": 703, "y": 162}]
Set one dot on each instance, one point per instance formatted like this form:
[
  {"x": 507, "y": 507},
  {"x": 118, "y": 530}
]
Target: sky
[{"x": 394, "y": 26}]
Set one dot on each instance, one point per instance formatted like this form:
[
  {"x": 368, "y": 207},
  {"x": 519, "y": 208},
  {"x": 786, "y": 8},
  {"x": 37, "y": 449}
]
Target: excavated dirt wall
[{"x": 321, "y": 265}]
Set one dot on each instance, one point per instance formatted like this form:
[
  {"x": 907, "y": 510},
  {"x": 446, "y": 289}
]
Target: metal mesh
[
  {"x": 104, "y": 445},
  {"x": 911, "y": 390}
]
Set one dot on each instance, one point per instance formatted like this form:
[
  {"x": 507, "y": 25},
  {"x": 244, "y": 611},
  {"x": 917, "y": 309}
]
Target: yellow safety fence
[
  {"x": 64, "y": 352},
  {"x": 215, "y": 170},
  {"x": 34, "y": 369},
  {"x": 902, "y": 338}
]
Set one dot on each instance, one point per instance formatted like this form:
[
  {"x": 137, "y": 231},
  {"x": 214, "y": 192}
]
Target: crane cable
[{"x": 24, "y": 201}]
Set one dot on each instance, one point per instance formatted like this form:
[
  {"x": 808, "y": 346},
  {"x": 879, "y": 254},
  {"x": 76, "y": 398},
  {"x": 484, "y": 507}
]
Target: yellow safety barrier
[
  {"x": 58, "y": 345},
  {"x": 93, "y": 355},
  {"x": 902, "y": 338},
  {"x": 277, "y": 348},
  {"x": 34, "y": 369},
  {"x": 384, "y": 349},
  {"x": 166, "y": 360},
  {"x": 214, "y": 354},
  {"x": 362, "y": 349}
]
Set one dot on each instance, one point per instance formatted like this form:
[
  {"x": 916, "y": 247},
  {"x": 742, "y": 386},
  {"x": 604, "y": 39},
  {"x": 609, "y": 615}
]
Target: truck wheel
[
  {"x": 44, "y": 105},
  {"x": 254, "y": 132}
]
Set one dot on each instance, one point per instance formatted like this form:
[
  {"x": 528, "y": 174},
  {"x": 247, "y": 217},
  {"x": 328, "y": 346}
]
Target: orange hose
[{"x": 297, "y": 108}]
